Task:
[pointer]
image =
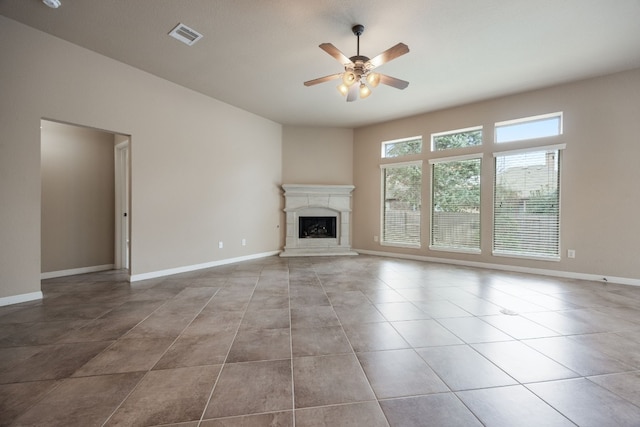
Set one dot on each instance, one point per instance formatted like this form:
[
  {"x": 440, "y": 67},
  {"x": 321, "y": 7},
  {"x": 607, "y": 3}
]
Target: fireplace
[
  {"x": 317, "y": 227},
  {"x": 318, "y": 220}
]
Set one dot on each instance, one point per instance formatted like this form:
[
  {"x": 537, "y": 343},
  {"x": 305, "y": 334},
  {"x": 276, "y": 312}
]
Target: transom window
[
  {"x": 402, "y": 147},
  {"x": 460, "y": 138},
  {"x": 529, "y": 128}
]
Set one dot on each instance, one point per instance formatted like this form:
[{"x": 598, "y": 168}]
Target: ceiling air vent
[{"x": 185, "y": 34}]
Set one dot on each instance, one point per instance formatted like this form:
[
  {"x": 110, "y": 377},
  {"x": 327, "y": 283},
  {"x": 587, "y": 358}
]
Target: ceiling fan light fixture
[
  {"x": 343, "y": 89},
  {"x": 53, "y": 4},
  {"x": 349, "y": 78},
  {"x": 364, "y": 91},
  {"x": 373, "y": 79}
]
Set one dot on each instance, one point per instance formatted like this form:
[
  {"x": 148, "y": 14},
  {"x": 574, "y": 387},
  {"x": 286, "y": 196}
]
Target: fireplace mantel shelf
[{"x": 323, "y": 189}]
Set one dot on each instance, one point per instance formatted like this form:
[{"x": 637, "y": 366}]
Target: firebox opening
[{"x": 317, "y": 227}]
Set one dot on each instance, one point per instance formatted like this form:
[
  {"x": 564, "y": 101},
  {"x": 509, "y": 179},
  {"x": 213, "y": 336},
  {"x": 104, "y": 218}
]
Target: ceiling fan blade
[
  {"x": 353, "y": 92},
  {"x": 322, "y": 79},
  {"x": 389, "y": 54},
  {"x": 333, "y": 51},
  {"x": 393, "y": 82}
]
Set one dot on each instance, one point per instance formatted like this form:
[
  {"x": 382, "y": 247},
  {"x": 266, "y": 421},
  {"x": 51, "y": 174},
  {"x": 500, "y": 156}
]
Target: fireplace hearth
[{"x": 318, "y": 220}]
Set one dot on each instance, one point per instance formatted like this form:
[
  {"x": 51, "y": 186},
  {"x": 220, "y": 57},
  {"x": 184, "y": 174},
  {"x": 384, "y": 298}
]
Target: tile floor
[{"x": 358, "y": 341}]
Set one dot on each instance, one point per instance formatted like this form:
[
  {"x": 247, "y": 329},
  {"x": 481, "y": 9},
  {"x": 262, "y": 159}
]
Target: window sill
[
  {"x": 401, "y": 245},
  {"x": 455, "y": 250},
  {"x": 553, "y": 258}
]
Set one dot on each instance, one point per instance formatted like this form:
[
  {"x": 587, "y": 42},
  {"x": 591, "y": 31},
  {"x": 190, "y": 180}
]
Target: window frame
[
  {"x": 432, "y": 162},
  {"x": 383, "y": 167},
  {"x": 544, "y": 148}
]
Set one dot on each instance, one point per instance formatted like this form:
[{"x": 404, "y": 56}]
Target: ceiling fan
[{"x": 359, "y": 69}]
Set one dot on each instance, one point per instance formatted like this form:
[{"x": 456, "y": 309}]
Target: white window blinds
[
  {"x": 527, "y": 203},
  {"x": 402, "y": 203},
  {"x": 455, "y": 204}
]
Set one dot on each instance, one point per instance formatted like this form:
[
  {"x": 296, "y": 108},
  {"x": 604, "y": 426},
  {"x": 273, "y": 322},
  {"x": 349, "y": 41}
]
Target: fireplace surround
[{"x": 318, "y": 220}]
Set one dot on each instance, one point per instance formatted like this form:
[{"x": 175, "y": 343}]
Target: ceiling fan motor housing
[
  {"x": 358, "y": 29},
  {"x": 359, "y": 69}
]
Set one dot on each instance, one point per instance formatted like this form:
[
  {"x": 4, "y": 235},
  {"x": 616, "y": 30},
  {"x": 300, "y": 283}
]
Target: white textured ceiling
[{"x": 256, "y": 54}]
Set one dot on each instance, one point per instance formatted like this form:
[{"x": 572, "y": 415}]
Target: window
[
  {"x": 470, "y": 137},
  {"x": 402, "y": 200},
  {"x": 402, "y": 147},
  {"x": 527, "y": 203},
  {"x": 529, "y": 128},
  {"x": 455, "y": 204}
]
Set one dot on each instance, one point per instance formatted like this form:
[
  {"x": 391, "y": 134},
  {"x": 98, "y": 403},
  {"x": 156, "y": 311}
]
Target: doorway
[{"x": 85, "y": 205}]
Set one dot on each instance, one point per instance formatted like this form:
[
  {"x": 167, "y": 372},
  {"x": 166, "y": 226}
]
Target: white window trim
[
  {"x": 382, "y": 183},
  {"x": 401, "y": 164},
  {"x": 401, "y": 245},
  {"x": 455, "y": 250},
  {"x": 531, "y": 149},
  {"x": 529, "y": 257},
  {"x": 395, "y": 141},
  {"x": 456, "y": 158},
  {"x": 452, "y": 132}
]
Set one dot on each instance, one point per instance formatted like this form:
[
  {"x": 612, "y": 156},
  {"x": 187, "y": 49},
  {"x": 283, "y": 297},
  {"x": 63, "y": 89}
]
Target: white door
[{"x": 122, "y": 185}]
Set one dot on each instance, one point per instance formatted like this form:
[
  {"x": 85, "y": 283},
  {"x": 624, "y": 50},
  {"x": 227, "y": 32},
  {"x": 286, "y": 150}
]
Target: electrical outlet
[
  {"x": 244, "y": 242},
  {"x": 375, "y": 238},
  {"x": 220, "y": 245},
  {"x": 571, "y": 253}
]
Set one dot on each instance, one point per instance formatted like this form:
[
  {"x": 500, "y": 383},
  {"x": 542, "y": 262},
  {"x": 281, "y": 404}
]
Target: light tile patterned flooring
[{"x": 358, "y": 341}]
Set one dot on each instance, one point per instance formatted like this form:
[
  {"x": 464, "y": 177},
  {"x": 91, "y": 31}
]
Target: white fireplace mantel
[{"x": 317, "y": 200}]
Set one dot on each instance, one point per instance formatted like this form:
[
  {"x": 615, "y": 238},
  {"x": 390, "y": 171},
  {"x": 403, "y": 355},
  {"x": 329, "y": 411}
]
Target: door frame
[{"x": 122, "y": 256}]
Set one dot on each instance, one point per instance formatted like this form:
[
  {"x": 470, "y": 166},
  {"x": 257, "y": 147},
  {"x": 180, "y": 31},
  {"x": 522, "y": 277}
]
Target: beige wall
[
  {"x": 202, "y": 171},
  {"x": 600, "y": 199},
  {"x": 312, "y": 155},
  {"x": 77, "y": 170}
]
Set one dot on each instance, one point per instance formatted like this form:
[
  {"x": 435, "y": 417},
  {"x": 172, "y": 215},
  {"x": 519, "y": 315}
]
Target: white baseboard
[
  {"x": 74, "y": 271},
  {"x": 514, "y": 268},
  {"x": 185, "y": 269},
  {"x": 16, "y": 299}
]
